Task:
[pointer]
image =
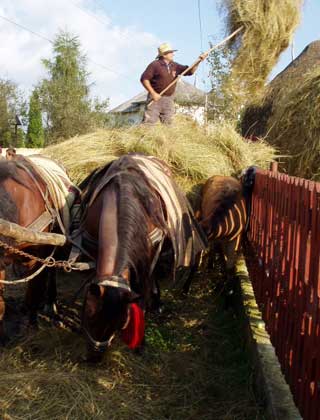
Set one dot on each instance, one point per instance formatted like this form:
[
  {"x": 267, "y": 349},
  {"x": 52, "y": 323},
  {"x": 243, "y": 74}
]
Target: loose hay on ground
[{"x": 195, "y": 366}]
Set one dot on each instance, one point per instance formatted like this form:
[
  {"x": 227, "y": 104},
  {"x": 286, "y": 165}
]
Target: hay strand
[
  {"x": 294, "y": 126},
  {"x": 193, "y": 153},
  {"x": 268, "y": 28}
]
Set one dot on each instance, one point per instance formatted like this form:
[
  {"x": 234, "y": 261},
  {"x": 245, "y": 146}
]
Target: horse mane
[
  {"x": 8, "y": 169},
  {"x": 136, "y": 203},
  {"x": 89, "y": 184},
  {"x": 227, "y": 192},
  {"x": 8, "y": 208}
]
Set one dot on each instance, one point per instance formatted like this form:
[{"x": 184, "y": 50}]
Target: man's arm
[
  {"x": 154, "y": 95},
  {"x": 194, "y": 68},
  {"x": 146, "y": 76}
]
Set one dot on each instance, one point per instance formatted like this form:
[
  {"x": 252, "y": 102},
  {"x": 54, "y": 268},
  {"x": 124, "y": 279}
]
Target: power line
[
  {"x": 26, "y": 29},
  {"x": 51, "y": 42},
  {"x": 201, "y": 37},
  {"x": 99, "y": 3},
  {"x": 92, "y": 15},
  {"x": 200, "y": 25}
]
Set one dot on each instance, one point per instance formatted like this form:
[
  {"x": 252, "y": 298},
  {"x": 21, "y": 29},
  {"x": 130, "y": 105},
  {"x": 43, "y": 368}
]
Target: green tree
[
  {"x": 35, "y": 134},
  {"x": 221, "y": 99},
  {"x": 99, "y": 113},
  {"x": 20, "y": 139},
  {"x": 65, "y": 93},
  {"x": 12, "y": 104}
]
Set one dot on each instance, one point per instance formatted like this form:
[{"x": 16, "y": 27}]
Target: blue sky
[
  {"x": 121, "y": 36},
  {"x": 178, "y": 22}
]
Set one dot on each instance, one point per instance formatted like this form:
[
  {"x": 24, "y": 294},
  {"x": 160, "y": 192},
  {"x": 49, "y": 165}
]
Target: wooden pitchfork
[{"x": 197, "y": 62}]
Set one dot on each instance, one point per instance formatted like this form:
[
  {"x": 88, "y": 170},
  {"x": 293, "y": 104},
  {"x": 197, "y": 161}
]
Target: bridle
[
  {"x": 116, "y": 281},
  {"x": 111, "y": 281},
  {"x": 157, "y": 238}
]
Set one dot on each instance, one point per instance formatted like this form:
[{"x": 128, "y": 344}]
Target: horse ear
[{"x": 95, "y": 290}]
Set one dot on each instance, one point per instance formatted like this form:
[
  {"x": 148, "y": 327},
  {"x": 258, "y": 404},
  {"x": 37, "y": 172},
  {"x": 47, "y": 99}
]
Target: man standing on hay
[{"x": 157, "y": 76}]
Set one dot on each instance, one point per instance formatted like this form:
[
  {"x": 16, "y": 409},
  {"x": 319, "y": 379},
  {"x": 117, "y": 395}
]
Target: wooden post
[{"x": 274, "y": 166}]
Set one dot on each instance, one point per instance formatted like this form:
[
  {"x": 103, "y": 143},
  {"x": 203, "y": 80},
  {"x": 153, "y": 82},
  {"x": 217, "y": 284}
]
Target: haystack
[
  {"x": 255, "y": 118},
  {"x": 193, "y": 153},
  {"x": 288, "y": 114},
  {"x": 268, "y": 28},
  {"x": 295, "y": 126}
]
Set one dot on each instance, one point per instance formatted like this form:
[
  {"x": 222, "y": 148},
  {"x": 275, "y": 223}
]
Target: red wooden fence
[{"x": 284, "y": 238}]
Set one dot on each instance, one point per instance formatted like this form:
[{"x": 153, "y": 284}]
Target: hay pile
[
  {"x": 193, "y": 154},
  {"x": 194, "y": 366},
  {"x": 268, "y": 28},
  {"x": 294, "y": 126}
]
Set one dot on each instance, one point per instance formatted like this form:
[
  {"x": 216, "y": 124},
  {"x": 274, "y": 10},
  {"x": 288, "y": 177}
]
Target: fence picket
[{"x": 284, "y": 239}]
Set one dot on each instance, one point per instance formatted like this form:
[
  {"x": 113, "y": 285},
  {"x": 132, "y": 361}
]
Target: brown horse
[
  {"x": 124, "y": 225},
  {"x": 223, "y": 217},
  {"x": 25, "y": 201}
]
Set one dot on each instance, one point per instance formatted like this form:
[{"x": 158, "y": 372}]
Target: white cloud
[{"x": 126, "y": 50}]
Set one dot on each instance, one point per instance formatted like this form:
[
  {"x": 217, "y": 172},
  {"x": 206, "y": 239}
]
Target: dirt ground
[{"x": 194, "y": 366}]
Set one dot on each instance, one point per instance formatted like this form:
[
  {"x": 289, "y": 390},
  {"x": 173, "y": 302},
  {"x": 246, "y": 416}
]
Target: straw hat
[{"x": 164, "y": 49}]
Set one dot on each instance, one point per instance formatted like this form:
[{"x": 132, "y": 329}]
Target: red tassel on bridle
[{"x": 133, "y": 334}]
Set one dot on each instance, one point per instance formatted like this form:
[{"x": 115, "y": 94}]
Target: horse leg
[
  {"x": 156, "y": 304},
  {"x": 230, "y": 256},
  {"x": 50, "y": 307},
  {"x": 34, "y": 297},
  {"x": 2, "y": 309},
  {"x": 194, "y": 268}
]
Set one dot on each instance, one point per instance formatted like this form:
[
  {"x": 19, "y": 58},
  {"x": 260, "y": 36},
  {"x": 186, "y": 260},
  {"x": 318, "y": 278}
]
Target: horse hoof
[{"x": 50, "y": 310}]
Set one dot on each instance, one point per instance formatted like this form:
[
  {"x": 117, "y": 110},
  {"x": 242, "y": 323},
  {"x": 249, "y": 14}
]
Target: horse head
[{"x": 106, "y": 311}]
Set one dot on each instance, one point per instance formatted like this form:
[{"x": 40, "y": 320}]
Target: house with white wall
[{"x": 189, "y": 100}]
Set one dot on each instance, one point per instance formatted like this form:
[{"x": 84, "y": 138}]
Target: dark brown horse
[
  {"x": 124, "y": 226},
  {"x": 223, "y": 217},
  {"x": 24, "y": 200}
]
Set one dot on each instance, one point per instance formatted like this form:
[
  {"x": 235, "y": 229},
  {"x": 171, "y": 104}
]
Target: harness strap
[
  {"x": 155, "y": 236},
  {"x": 98, "y": 346},
  {"x": 42, "y": 222},
  {"x": 156, "y": 255},
  {"x": 115, "y": 281},
  {"x": 54, "y": 212}
]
